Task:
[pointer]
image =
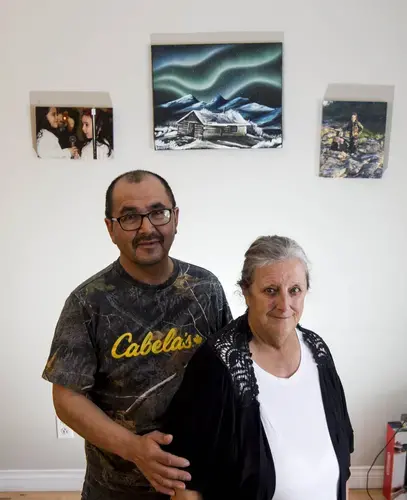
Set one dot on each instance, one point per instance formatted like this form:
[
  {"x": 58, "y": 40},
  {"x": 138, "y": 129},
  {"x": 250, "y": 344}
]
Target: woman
[
  {"x": 47, "y": 140},
  {"x": 67, "y": 128},
  {"x": 355, "y": 128},
  {"x": 104, "y": 135},
  {"x": 261, "y": 413}
]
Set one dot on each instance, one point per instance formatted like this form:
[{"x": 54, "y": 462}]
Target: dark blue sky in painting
[{"x": 250, "y": 70}]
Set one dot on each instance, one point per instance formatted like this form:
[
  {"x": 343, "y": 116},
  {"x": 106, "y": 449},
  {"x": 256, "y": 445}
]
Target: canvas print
[
  {"x": 212, "y": 96},
  {"x": 74, "y": 133},
  {"x": 352, "y": 139}
]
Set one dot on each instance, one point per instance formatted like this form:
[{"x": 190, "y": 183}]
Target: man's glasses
[{"x": 133, "y": 221}]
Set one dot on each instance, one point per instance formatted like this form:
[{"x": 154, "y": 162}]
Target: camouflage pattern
[{"x": 125, "y": 344}]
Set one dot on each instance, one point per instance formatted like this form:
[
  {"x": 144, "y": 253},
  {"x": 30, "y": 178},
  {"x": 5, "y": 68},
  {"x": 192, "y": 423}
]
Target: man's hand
[{"x": 159, "y": 467}]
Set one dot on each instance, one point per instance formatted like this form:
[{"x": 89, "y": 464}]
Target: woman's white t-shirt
[
  {"x": 102, "y": 152},
  {"x": 48, "y": 146},
  {"x": 293, "y": 418}
]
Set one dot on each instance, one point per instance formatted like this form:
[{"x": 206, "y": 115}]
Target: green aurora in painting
[{"x": 231, "y": 92}]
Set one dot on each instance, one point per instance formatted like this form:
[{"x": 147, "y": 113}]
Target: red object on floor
[{"x": 395, "y": 468}]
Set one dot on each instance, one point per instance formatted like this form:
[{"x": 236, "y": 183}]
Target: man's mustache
[{"x": 150, "y": 237}]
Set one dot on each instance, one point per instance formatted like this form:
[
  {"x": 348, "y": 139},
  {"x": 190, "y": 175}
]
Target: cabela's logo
[{"x": 124, "y": 347}]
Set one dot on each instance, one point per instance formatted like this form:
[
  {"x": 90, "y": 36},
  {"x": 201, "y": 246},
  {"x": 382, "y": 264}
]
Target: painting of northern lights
[{"x": 217, "y": 96}]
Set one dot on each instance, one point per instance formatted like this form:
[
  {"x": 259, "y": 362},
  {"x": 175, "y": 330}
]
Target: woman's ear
[{"x": 246, "y": 293}]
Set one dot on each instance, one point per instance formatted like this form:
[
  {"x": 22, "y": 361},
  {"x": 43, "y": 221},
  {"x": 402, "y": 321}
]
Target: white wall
[{"x": 53, "y": 234}]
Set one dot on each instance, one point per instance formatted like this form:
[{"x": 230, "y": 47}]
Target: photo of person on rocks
[
  {"x": 353, "y": 135},
  {"x": 354, "y": 128}
]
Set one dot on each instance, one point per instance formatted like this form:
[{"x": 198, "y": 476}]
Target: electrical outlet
[{"x": 63, "y": 431}]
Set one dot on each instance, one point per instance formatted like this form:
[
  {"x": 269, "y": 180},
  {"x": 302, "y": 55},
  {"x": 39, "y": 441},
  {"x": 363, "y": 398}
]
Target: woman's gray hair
[{"x": 268, "y": 250}]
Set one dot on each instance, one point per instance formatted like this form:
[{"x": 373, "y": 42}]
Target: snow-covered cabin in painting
[{"x": 204, "y": 124}]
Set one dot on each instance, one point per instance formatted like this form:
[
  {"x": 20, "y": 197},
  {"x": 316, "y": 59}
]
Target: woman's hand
[{"x": 74, "y": 152}]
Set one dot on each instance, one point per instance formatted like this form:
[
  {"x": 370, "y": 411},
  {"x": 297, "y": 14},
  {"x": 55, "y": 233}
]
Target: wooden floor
[{"x": 354, "y": 495}]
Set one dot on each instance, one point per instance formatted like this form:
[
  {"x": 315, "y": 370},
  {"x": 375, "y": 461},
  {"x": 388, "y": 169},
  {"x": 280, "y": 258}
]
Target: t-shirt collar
[{"x": 126, "y": 276}]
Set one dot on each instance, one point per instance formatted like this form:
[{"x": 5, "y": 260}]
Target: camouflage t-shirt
[{"x": 125, "y": 345}]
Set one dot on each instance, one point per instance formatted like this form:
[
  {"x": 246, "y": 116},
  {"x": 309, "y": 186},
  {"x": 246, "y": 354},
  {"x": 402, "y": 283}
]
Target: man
[{"x": 123, "y": 339}]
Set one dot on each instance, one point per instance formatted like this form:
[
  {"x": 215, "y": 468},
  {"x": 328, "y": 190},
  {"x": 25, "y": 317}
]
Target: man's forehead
[{"x": 149, "y": 191}]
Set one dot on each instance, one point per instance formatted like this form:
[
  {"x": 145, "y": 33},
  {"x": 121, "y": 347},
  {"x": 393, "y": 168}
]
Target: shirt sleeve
[
  {"x": 48, "y": 146},
  {"x": 224, "y": 315},
  {"x": 102, "y": 152},
  {"x": 72, "y": 361},
  {"x": 201, "y": 419}
]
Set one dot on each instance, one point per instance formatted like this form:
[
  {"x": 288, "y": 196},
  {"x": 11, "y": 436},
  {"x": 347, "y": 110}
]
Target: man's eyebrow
[
  {"x": 127, "y": 209},
  {"x": 154, "y": 206}
]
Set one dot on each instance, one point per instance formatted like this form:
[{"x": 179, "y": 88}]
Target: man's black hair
[{"x": 135, "y": 176}]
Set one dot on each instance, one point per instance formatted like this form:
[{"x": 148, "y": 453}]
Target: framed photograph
[
  {"x": 74, "y": 133},
  {"x": 217, "y": 96},
  {"x": 353, "y": 136}
]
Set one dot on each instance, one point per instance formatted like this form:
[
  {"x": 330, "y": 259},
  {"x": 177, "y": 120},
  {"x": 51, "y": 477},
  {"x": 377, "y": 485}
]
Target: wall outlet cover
[{"x": 63, "y": 431}]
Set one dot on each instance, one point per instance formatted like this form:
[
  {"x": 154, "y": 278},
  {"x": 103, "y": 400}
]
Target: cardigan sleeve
[
  {"x": 201, "y": 419},
  {"x": 344, "y": 407},
  {"x": 333, "y": 392},
  {"x": 347, "y": 421}
]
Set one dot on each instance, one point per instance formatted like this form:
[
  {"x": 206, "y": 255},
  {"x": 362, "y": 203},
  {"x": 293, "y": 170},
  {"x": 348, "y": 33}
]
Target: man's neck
[{"x": 151, "y": 275}]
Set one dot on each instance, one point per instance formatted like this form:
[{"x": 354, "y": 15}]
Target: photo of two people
[{"x": 74, "y": 133}]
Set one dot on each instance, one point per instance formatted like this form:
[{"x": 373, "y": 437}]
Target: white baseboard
[
  {"x": 358, "y": 478},
  {"x": 72, "y": 479},
  {"x": 42, "y": 480}
]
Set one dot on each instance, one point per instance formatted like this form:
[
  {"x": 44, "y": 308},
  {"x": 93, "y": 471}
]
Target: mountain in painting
[{"x": 258, "y": 114}]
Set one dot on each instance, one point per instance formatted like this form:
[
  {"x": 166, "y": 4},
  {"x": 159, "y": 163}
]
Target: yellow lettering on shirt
[
  {"x": 168, "y": 339},
  {"x": 188, "y": 342},
  {"x": 115, "y": 354},
  {"x": 177, "y": 344},
  {"x": 157, "y": 347},
  {"x": 146, "y": 345},
  {"x": 132, "y": 351},
  {"x": 124, "y": 347}
]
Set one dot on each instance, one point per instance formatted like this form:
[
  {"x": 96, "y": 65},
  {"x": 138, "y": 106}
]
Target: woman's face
[
  {"x": 87, "y": 126},
  {"x": 52, "y": 117},
  {"x": 276, "y": 298}
]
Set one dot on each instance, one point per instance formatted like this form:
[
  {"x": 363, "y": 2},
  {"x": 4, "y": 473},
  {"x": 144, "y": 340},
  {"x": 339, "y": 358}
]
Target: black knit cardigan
[{"x": 216, "y": 424}]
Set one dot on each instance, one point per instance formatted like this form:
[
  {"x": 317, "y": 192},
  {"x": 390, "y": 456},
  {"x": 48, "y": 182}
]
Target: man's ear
[
  {"x": 176, "y": 218},
  {"x": 109, "y": 225}
]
